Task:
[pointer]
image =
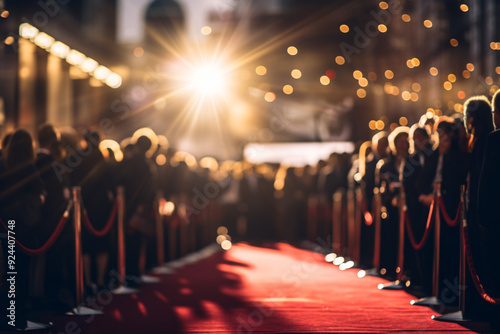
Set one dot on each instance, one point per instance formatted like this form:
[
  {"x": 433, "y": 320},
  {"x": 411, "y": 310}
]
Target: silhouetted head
[
  {"x": 398, "y": 141},
  {"x": 6, "y": 139},
  {"x": 143, "y": 144},
  {"x": 19, "y": 150},
  {"x": 47, "y": 136},
  {"x": 477, "y": 116},
  {"x": 419, "y": 138},
  {"x": 380, "y": 143},
  {"x": 446, "y": 130}
]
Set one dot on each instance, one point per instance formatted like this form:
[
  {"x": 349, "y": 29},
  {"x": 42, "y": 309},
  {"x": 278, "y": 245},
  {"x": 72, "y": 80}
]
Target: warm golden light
[
  {"x": 433, "y": 71},
  {"x": 5, "y": 14},
  {"x": 151, "y": 135},
  {"x": 380, "y": 125},
  {"x": 403, "y": 121},
  {"x": 161, "y": 159},
  {"x": 383, "y": 5},
  {"x": 406, "y": 95},
  {"x": 414, "y": 97},
  {"x": 428, "y": 23},
  {"x": 372, "y": 125},
  {"x": 497, "y": 69},
  {"x": 324, "y": 80},
  {"x": 60, "y": 50},
  {"x": 466, "y": 74},
  {"x": 461, "y": 95},
  {"x": 75, "y": 58},
  {"x": 208, "y": 80},
  {"x": 113, "y": 146},
  {"x": 261, "y": 70},
  {"x": 113, "y": 80},
  {"x": 453, "y": 42},
  {"x": 447, "y": 85},
  {"x": 416, "y": 87},
  {"x": 292, "y": 50},
  {"x": 270, "y": 97},
  {"x": 27, "y": 31},
  {"x": 389, "y": 74},
  {"x": 138, "y": 52},
  {"x": 43, "y": 40},
  {"x": 89, "y": 65},
  {"x": 102, "y": 72},
  {"x": 406, "y": 18},
  {"x": 206, "y": 30},
  {"x": 361, "y": 93},
  {"x": 489, "y": 80},
  {"x": 363, "y": 82},
  {"x": 382, "y": 28},
  {"x": 9, "y": 40},
  {"x": 470, "y": 67},
  {"x": 296, "y": 74},
  {"x": 357, "y": 74},
  {"x": 287, "y": 89},
  {"x": 452, "y": 78},
  {"x": 464, "y": 8},
  {"x": 340, "y": 60},
  {"x": 226, "y": 245},
  {"x": 344, "y": 28}
]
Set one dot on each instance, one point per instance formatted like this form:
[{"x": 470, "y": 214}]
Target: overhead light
[
  {"x": 102, "y": 72},
  {"x": 44, "y": 41},
  {"x": 89, "y": 65},
  {"x": 75, "y": 57},
  {"x": 26, "y": 30},
  {"x": 60, "y": 50}
]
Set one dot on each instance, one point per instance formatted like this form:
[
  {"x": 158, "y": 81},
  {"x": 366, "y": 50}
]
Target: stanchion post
[
  {"x": 337, "y": 223},
  {"x": 77, "y": 217},
  {"x": 121, "y": 234},
  {"x": 350, "y": 222},
  {"x": 462, "y": 265},
  {"x": 160, "y": 237},
  {"x": 437, "y": 243},
  {"x": 401, "y": 249},
  {"x": 378, "y": 228},
  {"x": 357, "y": 225}
]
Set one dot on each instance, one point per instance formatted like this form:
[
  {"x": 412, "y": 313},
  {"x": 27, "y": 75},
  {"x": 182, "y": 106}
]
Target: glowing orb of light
[{"x": 208, "y": 80}]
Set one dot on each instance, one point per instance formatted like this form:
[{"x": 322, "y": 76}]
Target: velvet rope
[
  {"x": 472, "y": 269},
  {"x": 447, "y": 218},
  {"x": 48, "y": 244},
  {"x": 108, "y": 225},
  {"x": 428, "y": 228}
]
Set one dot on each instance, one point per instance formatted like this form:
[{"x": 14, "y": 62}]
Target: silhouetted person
[
  {"x": 21, "y": 198},
  {"x": 478, "y": 120},
  {"x": 391, "y": 181}
]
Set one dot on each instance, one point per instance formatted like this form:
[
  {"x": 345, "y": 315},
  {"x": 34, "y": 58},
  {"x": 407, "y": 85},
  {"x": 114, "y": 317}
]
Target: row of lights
[{"x": 73, "y": 57}]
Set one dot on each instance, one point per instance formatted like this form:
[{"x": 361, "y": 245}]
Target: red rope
[
  {"x": 420, "y": 245},
  {"x": 472, "y": 269},
  {"x": 447, "y": 218},
  {"x": 50, "y": 241},
  {"x": 108, "y": 225}
]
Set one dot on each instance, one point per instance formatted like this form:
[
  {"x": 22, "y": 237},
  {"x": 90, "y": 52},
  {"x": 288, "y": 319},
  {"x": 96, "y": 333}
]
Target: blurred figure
[
  {"x": 379, "y": 147},
  {"x": 59, "y": 259},
  {"x": 391, "y": 176},
  {"x": 478, "y": 120},
  {"x": 417, "y": 263},
  {"x": 97, "y": 186},
  {"x": 5, "y": 140},
  {"x": 22, "y": 195}
]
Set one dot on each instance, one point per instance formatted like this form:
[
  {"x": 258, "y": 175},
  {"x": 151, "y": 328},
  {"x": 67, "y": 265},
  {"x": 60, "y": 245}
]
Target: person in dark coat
[
  {"x": 22, "y": 195},
  {"x": 478, "y": 120},
  {"x": 59, "y": 267},
  {"x": 391, "y": 177}
]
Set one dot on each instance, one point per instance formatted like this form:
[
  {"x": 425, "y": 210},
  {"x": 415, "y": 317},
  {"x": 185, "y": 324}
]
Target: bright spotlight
[{"x": 209, "y": 80}]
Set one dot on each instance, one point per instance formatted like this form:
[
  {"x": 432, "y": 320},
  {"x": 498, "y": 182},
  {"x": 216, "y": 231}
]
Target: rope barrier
[
  {"x": 425, "y": 237},
  {"x": 451, "y": 223},
  {"x": 48, "y": 244},
  {"x": 108, "y": 225},
  {"x": 472, "y": 269}
]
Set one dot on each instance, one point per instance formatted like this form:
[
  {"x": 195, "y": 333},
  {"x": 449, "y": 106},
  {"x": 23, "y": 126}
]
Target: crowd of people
[{"x": 255, "y": 202}]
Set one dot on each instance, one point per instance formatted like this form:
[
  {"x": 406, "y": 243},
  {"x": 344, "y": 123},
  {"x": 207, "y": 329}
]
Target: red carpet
[{"x": 256, "y": 289}]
